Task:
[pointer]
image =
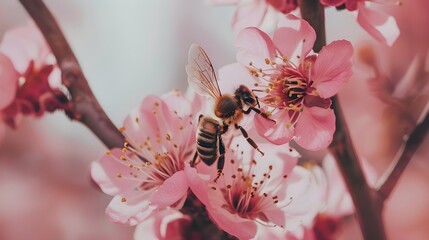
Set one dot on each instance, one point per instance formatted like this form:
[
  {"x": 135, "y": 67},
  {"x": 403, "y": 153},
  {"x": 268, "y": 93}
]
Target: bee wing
[{"x": 201, "y": 74}]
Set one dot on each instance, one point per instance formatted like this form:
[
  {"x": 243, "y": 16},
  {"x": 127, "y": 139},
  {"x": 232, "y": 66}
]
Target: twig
[
  {"x": 368, "y": 204},
  {"x": 411, "y": 143},
  {"x": 84, "y": 107}
]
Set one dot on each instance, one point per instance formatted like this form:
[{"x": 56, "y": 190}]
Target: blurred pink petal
[
  {"x": 8, "y": 81},
  {"x": 254, "y": 47},
  {"x": 332, "y": 2},
  {"x": 250, "y": 14},
  {"x": 25, "y": 44},
  {"x": 293, "y": 37},
  {"x": 380, "y": 25},
  {"x": 332, "y": 68},
  {"x": 315, "y": 128}
]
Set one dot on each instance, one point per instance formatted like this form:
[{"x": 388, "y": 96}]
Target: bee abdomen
[{"x": 207, "y": 147}]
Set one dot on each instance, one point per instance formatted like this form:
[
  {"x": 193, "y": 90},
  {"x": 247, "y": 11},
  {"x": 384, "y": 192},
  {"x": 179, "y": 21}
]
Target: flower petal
[
  {"x": 232, "y": 223},
  {"x": 232, "y": 76},
  {"x": 380, "y": 25},
  {"x": 315, "y": 128},
  {"x": 249, "y": 15},
  {"x": 8, "y": 81},
  {"x": 254, "y": 47},
  {"x": 131, "y": 207},
  {"x": 332, "y": 68},
  {"x": 172, "y": 190},
  {"x": 332, "y": 2},
  {"x": 293, "y": 37},
  {"x": 105, "y": 173},
  {"x": 277, "y": 133}
]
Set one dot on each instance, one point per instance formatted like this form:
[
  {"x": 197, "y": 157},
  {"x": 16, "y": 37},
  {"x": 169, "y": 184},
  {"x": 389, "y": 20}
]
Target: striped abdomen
[{"x": 207, "y": 140}]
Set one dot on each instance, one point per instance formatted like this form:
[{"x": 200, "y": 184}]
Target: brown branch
[
  {"x": 411, "y": 143},
  {"x": 84, "y": 107},
  {"x": 368, "y": 204}
]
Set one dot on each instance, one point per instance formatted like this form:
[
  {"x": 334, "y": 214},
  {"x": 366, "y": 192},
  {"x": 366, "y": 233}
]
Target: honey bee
[{"x": 229, "y": 108}]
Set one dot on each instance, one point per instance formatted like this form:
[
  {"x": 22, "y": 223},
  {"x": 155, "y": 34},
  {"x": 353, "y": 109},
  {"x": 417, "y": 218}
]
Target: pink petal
[
  {"x": 104, "y": 173},
  {"x": 380, "y": 25},
  {"x": 249, "y": 15},
  {"x": 332, "y": 68},
  {"x": 232, "y": 76},
  {"x": 233, "y": 224},
  {"x": 294, "y": 36},
  {"x": 198, "y": 184},
  {"x": 332, "y": 2},
  {"x": 254, "y": 47},
  {"x": 8, "y": 81},
  {"x": 277, "y": 133},
  {"x": 315, "y": 128},
  {"x": 172, "y": 190},
  {"x": 133, "y": 210},
  {"x": 307, "y": 198},
  {"x": 24, "y": 44}
]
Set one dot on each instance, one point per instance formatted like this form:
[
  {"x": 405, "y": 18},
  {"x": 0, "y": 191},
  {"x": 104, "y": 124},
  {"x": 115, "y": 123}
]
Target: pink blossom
[
  {"x": 166, "y": 224},
  {"x": 253, "y": 190},
  {"x": 378, "y": 24},
  {"x": 293, "y": 84},
  {"x": 253, "y": 13},
  {"x": 32, "y": 85},
  {"x": 162, "y": 131}
]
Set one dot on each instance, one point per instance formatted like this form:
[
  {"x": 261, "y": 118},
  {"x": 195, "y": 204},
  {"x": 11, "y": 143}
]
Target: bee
[{"x": 229, "y": 108}]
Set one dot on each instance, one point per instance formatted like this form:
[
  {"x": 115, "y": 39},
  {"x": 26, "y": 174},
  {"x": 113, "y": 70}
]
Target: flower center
[{"x": 244, "y": 194}]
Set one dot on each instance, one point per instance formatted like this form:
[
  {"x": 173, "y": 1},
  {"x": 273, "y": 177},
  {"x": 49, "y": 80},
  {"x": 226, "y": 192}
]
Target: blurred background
[{"x": 131, "y": 48}]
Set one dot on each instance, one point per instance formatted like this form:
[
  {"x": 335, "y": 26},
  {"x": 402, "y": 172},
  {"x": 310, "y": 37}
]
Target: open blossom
[
  {"x": 254, "y": 12},
  {"x": 253, "y": 190},
  {"x": 293, "y": 84},
  {"x": 378, "y": 24},
  {"x": 162, "y": 132},
  {"x": 30, "y": 79}
]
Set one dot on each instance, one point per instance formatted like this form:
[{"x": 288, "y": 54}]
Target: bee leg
[
  {"x": 193, "y": 159},
  {"x": 258, "y": 111},
  {"x": 249, "y": 140},
  {"x": 221, "y": 160}
]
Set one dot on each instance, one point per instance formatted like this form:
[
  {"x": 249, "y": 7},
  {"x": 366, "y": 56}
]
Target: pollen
[
  {"x": 123, "y": 199},
  {"x": 121, "y": 129},
  {"x": 168, "y": 137},
  {"x": 108, "y": 152},
  {"x": 119, "y": 175},
  {"x": 267, "y": 61},
  {"x": 123, "y": 158}
]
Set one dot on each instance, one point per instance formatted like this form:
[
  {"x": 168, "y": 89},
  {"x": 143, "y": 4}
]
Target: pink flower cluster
[
  {"x": 29, "y": 80},
  {"x": 256, "y": 195}
]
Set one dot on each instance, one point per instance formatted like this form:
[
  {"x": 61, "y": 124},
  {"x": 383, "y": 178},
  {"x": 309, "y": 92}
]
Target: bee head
[{"x": 246, "y": 95}]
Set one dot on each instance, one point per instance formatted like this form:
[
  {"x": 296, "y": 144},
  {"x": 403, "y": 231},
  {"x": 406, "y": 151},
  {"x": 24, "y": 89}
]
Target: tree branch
[
  {"x": 84, "y": 107},
  {"x": 368, "y": 204},
  {"x": 411, "y": 143}
]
